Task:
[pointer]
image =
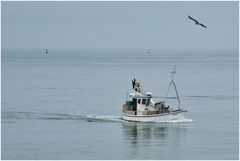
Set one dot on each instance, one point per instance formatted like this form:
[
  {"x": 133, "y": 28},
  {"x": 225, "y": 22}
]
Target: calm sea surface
[{"x": 67, "y": 104}]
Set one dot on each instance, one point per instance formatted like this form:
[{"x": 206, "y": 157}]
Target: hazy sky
[{"x": 119, "y": 25}]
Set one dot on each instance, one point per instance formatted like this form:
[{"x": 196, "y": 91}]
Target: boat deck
[{"x": 128, "y": 109}]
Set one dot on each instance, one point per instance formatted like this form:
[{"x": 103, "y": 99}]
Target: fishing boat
[{"x": 141, "y": 105}]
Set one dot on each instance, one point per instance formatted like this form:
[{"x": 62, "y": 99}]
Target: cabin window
[
  {"x": 148, "y": 101},
  {"x": 144, "y": 101},
  {"x": 139, "y": 101},
  {"x": 134, "y": 106}
]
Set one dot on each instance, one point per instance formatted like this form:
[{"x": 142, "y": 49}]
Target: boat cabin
[{"x": 138, "y": 103}]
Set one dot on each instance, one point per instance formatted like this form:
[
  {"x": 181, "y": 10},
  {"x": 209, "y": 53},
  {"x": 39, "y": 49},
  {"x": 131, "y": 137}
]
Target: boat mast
[{"x": 172, "y": 82}]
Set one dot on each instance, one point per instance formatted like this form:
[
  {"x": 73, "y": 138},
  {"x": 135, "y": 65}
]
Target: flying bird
[{"x": 196, "y": 22}]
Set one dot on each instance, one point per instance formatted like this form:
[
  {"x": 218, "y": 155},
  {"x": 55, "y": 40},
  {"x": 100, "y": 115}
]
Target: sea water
[{"x": 66, "y": 104}]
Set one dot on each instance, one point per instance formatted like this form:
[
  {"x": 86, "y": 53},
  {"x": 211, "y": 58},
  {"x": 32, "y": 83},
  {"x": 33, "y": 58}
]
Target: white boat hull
[{"x": 174, "y": 115}]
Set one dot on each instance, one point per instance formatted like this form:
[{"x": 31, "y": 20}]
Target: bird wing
[
  {"x": 203, "y": 25},
  {"x": 193, "y": 19}
]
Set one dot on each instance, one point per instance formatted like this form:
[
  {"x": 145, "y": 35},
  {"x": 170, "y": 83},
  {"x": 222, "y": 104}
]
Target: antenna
[{"x": 173, "y": 72}]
